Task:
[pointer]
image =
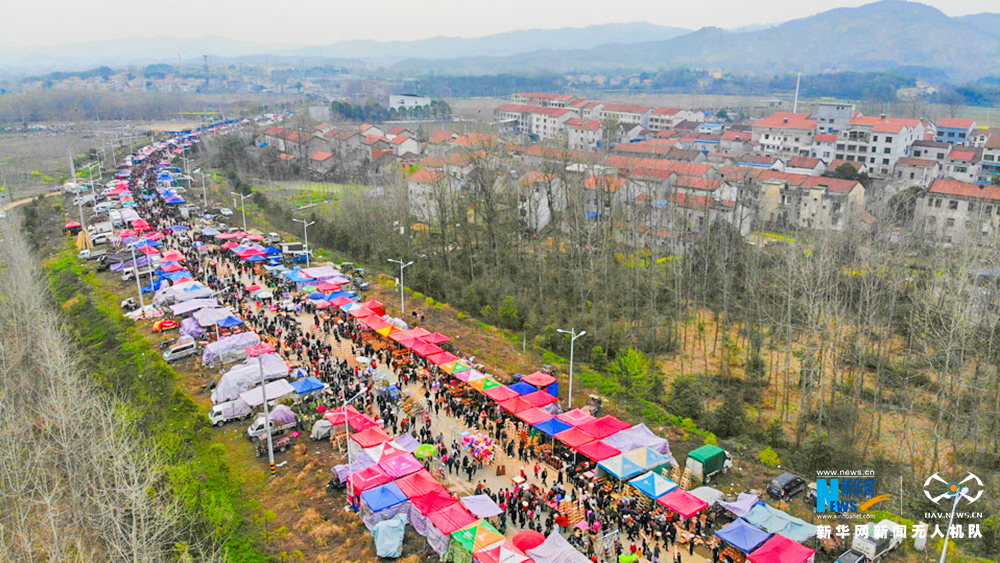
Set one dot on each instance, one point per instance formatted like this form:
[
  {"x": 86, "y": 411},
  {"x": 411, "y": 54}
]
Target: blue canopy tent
[
  {"x": 386, "y": 496},
  {"x": 228, "y": 322},
  {"x": 152, "y": 287},
  {"x": 174, "y": 276},
  {"x": 317, "y": 295},
  {"x": 176, "y": 228},
  {"x": 256, "y": 258},
  {"x": 174, "y": 200},
  {"x": 653, "y": 485},
  {"x": 523, "y": 388},
  {"x": 307, "y": 385},
  {"x": 272, "y": 251},
  {"x": 742, "y": 535},
  {"x": 552, "y": 426},
  {"x": 336, "y": 294},
  {"x": 209, "y": 231},
  {"x": 620, "y": 467},
  {"x": 771, "y": 519}
]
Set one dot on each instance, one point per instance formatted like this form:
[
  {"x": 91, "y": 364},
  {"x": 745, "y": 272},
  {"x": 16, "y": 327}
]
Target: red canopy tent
[
  {"x": 361, "y": 422},
  {"x": 362, "y": 312},
  {"x": 374, "y": 322},
  {"x": 228, "y": 245},
  {"x": 604, "y": 426},
  {"x": 534, "y": 415},
  {"x": 450, "y": 518},
  {"x": 368, "y": 478},
  {"x": 500, "y": 393},
  {"x": 433, "y": 501},
  {"x": 336, "y": 415},
  {"x": 370, "y": 437},
  {"x": 141, "y": 225},
  {"x": 341, "y": 301},
  {"x": 400, "y": 465},
  {"x": 263, "y": 347},
  {"x": 155, "y": 235},
  {"x": 540, "y": 399},
  {"x": 528, "y": 539},
  {"x": 327, "y": 286},
  {"x": 574, "y": 437},
  {"x": 597, "y": 450},
  {"x": 255, "y": 237},
  {"x": 780, "y": 549},
  {"x": 148, "y": 250},
  {"x": 419, "y": 483},
  {"x": 72, "y": 225},
  {"x": 125, "y": 233},
  {"x": 576, "y": 417},
  {"x": 442, "y": 357},
  {"x": 539, "y": 379},
  {"x": 435, "y": 338},
  {"x": 407, "y": 334},
  {"x": 376, "y": 306},
  {"x": 515, "y": 405},
  {"x": 424, "y": 349},
  {"x": 502, "y": 552},
  {"x": 172, "y": 268},
  {"x": 683, "y": 503}
]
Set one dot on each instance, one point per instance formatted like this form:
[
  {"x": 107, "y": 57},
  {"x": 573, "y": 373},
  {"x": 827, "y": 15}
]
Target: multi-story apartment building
[
  {"x": 989, "y": 166},
  {"x": 550, "y": 123},
  {"x": 824, "y": 147},
  {"x": 930, "y": 150},
  {"x": 583, "y": 135},
  {"x": 626, "y": 114},
  {"x": 785, "y": 134},
  {"x": 916, "y": 171},
  {"x": 543, "y": 99},
  {"x": 514, "y": 117},
  {"x": 832, "y": 117},
  {"x": 954, "y": 211},
  {"x": 878, "y": 141},
  {"x": 810, "y": 202},
  {"x": 668, "y": 118}
]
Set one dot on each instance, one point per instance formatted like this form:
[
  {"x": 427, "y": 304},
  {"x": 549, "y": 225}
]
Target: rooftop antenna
[{"x": 795, "y": 106}]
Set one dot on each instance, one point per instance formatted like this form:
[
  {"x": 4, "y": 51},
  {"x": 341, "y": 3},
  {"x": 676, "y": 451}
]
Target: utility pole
[
  {"x": 795, "y": 106},
  {"x": 243, "y": 207},
  {"x": 204, "y": 186},
  {"x": 402, "y": 295},
  {"x": 573, "y": 336},
  {"x": 267, "y": 413},
  {"x": 138, "y": 286},
  {"x": 305, "y": 235},
  {"x": 79, "y": 194}
]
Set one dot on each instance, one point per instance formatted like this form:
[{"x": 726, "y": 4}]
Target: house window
[
  {"x": 989, "y": 210},
  {"x": 875, "y": 139},
  {"x": 835, "y": 208},
  {"x": 951, "y": 133},
  {"x": 888, "y": 139},
  {"x": 953, "y": 205},
  {"x": 968, "y": 224},
  {"x": 950, "y": 222},
  {"x": 932, "y": 220},
  {"x": 937, "y": 203},
  {"x": 885, "y": 161},
  {"x": 872, "y": 160}
]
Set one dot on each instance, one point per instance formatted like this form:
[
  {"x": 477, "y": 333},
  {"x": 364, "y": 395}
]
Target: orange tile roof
[
  {"x": 399, "y": 139},
  {"x": 885, "y": 125},
  {"x": 965, "y": 189},
  {"x": 964, "y": 154},
  {"x": 788, "y": 120},
  {"x": 625, "y": 108},
  {"x": 630, "y": 163},
  {"x": 426, "y": 176},
  {"x": 826, "y": 138},
  {"x": 440, "y": 136},
  {"x": 698, "y": 183},
  {"x": 516, "y": 108},
  {"x": 803, "y": 162},
  {"x": 735, "y": 135},
  {"x": 320, "y": 156},
  {"x": 285, "y": 156},
  {"x": 535, "y": 177},
  {"x": 591, "y": 125},
  {"x": 955, "y": 123},
  {"x": 606, "y": 183},
  {"x": 666, "y": 111},
  {"x": 908, "y": 161}
]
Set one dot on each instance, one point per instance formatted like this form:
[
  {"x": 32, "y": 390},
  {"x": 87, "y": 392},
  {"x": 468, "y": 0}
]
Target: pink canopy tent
[
  {"x": 336, "y": 415},
  {"x": 141, "y": 225},
  {"x": 376, "y": 306},
  {"x": 574, "y": 437},
  {"x": 341, "y": 301},
  {"x": 368, "y": 478},
  {"x": 172, "y": 268},
  {"x": 409, "y": 334},
  {"x": 533, "y": 416},
  {"x": 255, "y": 237},
  {"x": 148, "y": 250},
  {"x": 155, "y": 235},
  {"x": 780, "y": 549},
  {"x": 125, "y": 233},
  {"x": 682, "y": 503},
  {"x": 604, "y": 426},
  {"x": 576, "y": 417},
  {"x": 361, "y": 312},
  {"x": 400, "y": 466},
  {"x": 539, "y": 379},
  {"x": 424, "y": 349},
  {"x": 374, "y": 323},
  {"x": 361, "y": 422},
  {"x": 327, "y": 286},
  {"x": 264, "y": 347},
  {"x": 173, "y": 256},
  {"x": 228, "y": 245},
  {"x": 540, "y": 399}
]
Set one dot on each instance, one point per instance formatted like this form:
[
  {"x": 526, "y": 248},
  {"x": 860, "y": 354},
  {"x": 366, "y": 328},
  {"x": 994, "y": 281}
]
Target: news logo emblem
[
  {"x": 842, "y": 495},
  {"x": 952, "y": 489}
]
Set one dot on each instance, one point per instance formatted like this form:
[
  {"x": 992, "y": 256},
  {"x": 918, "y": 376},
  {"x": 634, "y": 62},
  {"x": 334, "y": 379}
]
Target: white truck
[
  {"x": 874, "y": 548},
  {"x": 282, "y": 419},
  {"x": 228, "y": 411}
]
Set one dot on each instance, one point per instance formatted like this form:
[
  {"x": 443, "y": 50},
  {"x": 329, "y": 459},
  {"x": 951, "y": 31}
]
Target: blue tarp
[
  {"x": 523, "y": 388},
  {"x": 552, "y": 426},
  {"x": 317, "y": 295},
  {"x": 174, "y": 276},
  {"x": 336, "y": 294},
  {"x": 776, "y": 521},
  {"x": 228, "y": 322},
  {"x": 653, "y": 485},
  {"x": 742, "y": 535},
  {"x": 388, "y": 536},
  {"x": 272, "y": 251},
  {"x": 386, "y": 496},
  {"x": 307, "y": 385},
  {"x": 155, "y": 286}
]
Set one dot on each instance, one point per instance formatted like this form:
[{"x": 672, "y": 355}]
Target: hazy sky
[{"x": 50, "y": 22}]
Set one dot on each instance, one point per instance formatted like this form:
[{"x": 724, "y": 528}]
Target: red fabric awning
[
  {"x": 419, "y": 483},
  {"x": 534, "y": 415},
  {"x": 435, "y": 338},
  {"x": 604, "y": 426},
  {"x": 576, "y": 417},
  {"x": 433, "y": 501},
  {"x": 450, "y": 518},
  {"x": 684, "y": 503},
  {"x": 442, "y": 357},
  {"x": 780, "y": 549},
  {"x": 597, "y": 450},
  {"x": 515, "y": 405},
  {"x": 370, "y": 437},
  {"x": 424, "y": 349},
  {"x": 540, "y": 399},
  {"x": 574, "y": 437},
  {"x": 500, "y": 393},
  {"x": 539, "y": 379}
]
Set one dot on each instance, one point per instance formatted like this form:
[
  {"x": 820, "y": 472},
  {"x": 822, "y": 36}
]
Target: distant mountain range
[
  {"x": 887, "y": 35},
  {"x": 882, "y": 36}
]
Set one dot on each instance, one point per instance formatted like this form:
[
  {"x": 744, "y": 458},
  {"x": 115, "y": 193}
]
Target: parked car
[
  {"x": 95, "y": 254},
  {"x": 272, "y": 238},
  {"x": 786, "y": 485},
  {"x": 278, "y": 443},
  {"x": 181, "y": 351},
  {"x": 226, "y": 211},
  {"x": 257, "y": 427}
]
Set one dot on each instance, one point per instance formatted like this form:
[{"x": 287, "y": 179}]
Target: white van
[
  {"x": 180, "y": 351},
  {"x": 115, "y": 217},
  {"x": 105, "y": 206},
  {"x": 100, "y": 238},
  {"x": 229, "y": 410},
  {"x": 128, "y": 274}
]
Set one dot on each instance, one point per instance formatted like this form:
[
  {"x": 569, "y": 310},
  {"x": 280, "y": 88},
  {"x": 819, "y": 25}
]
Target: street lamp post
[
  {"x": 204, "y": 187},
  {"x": 572, "y": 340},
  {"x": 243, "y": 207},
  {"x": 138, "y": 286},
  {"x": 402, "y": 298},
  {"x": 305, "y": 235},
  {"x": 958, "y": 495}
]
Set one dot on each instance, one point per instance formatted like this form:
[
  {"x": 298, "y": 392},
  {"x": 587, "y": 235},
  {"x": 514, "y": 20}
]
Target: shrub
[{"x": 769, "y": 457}]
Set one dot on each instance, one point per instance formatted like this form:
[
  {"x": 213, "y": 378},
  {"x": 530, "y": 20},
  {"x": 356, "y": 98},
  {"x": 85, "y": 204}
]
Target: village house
[
  {"x": 824, "y": 147},
  {"x": 374, "y": 147},
  {"x": 540, "y": 195},
  {"x": 667, "y": 118},
  {"x": 439, "y": 143},
  {"x": 930, "y": 150},
  {"x": 878, "y": 141},
  {"x": 785, "y": 134},
  {"x": 626, "y": 114},
  {"x": 425, "y": 189},
  {"x": 989, "y": 166},
  {"x": 397, "y": 131},
  {"x": 954, "y": 211},
  {"x": 832, "y": 117},
  {"x": 962, "y": 164},
  {"x": 805, "y": 165},
  {"x": 321, "y": 162},
  {"x": 543, "y": 99},
  {"x": 583, "y": 135},
  {"x": 587, "y": 110},
  {"x": 954, "y": 130},
  {"x": 809, "y": 202},
  {"x": 403, "y": 145},
  {"x": 549, "y": 123},
  {"x": 736, "y": 142},
  {"x": 514, "y": 117},
  {"x": 916, "y": 171}
]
